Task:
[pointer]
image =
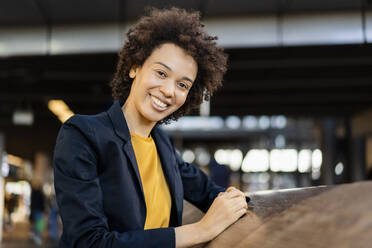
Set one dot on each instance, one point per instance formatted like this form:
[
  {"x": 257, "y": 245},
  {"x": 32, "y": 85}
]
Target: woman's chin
[{"x": 155, "y": 117}]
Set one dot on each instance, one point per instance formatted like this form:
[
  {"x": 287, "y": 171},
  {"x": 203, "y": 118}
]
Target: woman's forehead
[{"x": 174, "y": 58}]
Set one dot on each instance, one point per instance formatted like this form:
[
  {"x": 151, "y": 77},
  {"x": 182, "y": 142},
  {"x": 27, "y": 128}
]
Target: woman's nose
[{"x": 167, "y": 88}]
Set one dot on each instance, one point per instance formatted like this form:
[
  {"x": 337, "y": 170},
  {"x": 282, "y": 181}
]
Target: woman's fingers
[
  {"x": 230, "y": 188},
  {"x": 237, "y": 199},
  {"x": 234, "y": 200},
  {"x": 234, "y": 193},
  {"x": 220, "y": 194},
  {"x": 238, "y": 203},
  {"x": 240, "y": 213}
]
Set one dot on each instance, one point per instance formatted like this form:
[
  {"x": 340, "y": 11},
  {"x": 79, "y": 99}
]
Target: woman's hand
[{"x": 227, "y": 208}]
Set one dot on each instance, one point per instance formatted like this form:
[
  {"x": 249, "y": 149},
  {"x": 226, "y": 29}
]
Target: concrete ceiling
[{"x": 39, "y": 12}]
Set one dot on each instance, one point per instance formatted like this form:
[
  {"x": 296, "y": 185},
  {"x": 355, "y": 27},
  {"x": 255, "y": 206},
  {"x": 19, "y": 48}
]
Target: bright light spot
[
  {"x": 5, "y": 166},
  {"x": 202, "y": 156},
  {"x": 221, "y": 157},
  {"x": 339, "y": 168},
  {"x": 232, "y": 158},
  {"x": 278, "y": 121},
  {"x": 188, "y": 156},
  {"x": 304, "y": 160},
  {"x": 316, "y": 164},
  {"x": 264, "y": 122},
  {"x": 23, "y": 117},
  {"x": 13, "y": 187},
  {"x": 26, "y": 188},
  {"x": 233, "y": 122},
  {"x": 280, "y": 141},
  {"x": 290, "y": 160},
  {"x": 196, "y": 123},
  {"x": 236, "y": 158},
  {"x": 47, "y": 189},
  {"x": 256, "y": 161},
  {"x": 317, "y": 159},
  {"x": 60, "y": 109},
  {"x": 250, "y": 122},
  {"x": 19, "y": 188},
  {"x": 15, "y": 160},
  {"x": 315, "y": 175},
  {"x": 205, "y": 108},
  {"x": 283, "y": 160}
]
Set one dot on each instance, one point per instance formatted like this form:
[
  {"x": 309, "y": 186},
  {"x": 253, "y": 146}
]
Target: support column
[
  {"x": 329, "y": 151},
  {"x": 358, "y": 171},
  {"x": 347, "y": 149},
  {"x": 1, "y": 188}
]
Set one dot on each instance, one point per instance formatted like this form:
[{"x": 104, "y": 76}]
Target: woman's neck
[{"x": 135, "y": 121}]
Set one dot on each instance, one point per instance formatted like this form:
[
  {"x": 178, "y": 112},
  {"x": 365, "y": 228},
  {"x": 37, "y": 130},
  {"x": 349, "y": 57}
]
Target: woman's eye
[
  {"x": 183, "y": 85},
  {"x": 161, "y": 74}
]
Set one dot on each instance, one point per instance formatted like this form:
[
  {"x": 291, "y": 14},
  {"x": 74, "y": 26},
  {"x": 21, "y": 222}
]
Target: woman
[{"x": 118, "y": 180}]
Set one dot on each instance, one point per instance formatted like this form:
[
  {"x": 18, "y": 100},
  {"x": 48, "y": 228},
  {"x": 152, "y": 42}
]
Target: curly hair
[{"x": 183, "y": 29}]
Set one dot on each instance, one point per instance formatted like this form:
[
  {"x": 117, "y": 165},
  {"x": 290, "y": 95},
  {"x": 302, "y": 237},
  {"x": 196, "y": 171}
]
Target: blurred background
[{"x": 295, "y": 109}]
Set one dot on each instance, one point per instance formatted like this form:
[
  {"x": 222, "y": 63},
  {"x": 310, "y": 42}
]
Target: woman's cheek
[{"x": 181, "y": 99}]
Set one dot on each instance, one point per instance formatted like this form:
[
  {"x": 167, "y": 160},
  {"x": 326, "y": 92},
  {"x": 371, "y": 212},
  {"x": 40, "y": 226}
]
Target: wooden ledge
[{"x": 325, "y": 216}]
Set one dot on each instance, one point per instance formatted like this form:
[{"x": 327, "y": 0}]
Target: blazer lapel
[
  {"x": 121, "y": 129},
  {"x": 128, "y": 149}
]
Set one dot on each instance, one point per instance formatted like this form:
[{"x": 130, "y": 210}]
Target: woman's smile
[{"x": 158, "y": 104}]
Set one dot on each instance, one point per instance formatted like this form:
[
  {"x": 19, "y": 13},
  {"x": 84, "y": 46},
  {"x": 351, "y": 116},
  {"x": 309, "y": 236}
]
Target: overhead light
[
  {"x": 284, "y": 160},
  {"x": 264, "y": 122},
  {"x": 304, "y": 160},
  {"x": 188, "y": 156},
  {"x": 23, "y": 117},
  {"x": 60, "y": 109},
  {"x": 233, "y": 122},
  {"x": 250, "y": 122},
  {"x": 339, "y": 168},
  {"x": 15, "y": 160},
  {"x": 256, "y": 160}
]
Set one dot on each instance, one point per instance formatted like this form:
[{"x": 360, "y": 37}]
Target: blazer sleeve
[
  {"x": 198, "y": 188},
  {"x": 79, "y": 197}
]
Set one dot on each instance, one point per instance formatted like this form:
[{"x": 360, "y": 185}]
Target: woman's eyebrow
[
  {"x": 160, "y": 63},
  {"x": 185, "y": 78}
]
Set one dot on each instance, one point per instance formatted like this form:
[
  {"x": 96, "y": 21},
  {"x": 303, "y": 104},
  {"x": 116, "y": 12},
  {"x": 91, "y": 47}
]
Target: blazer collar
[{"x": 118, "y": 120}]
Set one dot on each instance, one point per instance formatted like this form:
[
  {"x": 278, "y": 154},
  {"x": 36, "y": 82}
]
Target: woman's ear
[{"x": 133, "y": 72}]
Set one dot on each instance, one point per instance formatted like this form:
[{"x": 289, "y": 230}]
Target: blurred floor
[{"x": 19, "y": 237}]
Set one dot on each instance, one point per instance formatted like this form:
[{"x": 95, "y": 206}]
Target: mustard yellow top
[{"x": 155, "y": 187}]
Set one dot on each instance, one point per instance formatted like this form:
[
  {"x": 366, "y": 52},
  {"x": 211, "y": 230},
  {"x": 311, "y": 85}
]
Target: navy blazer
[{"x": 99, "y": 190}]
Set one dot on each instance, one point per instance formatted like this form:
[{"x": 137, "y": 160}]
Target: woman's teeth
[{"x": 159, "y": 103}]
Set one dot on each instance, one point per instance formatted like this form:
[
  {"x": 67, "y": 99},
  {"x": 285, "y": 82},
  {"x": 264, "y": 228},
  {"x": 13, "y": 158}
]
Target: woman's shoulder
[
  {"x": 88, "y": 123},
  {"x": 89, "y": 127}
]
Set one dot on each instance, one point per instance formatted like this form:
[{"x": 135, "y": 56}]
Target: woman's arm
[{"x": 190, "y": 235}]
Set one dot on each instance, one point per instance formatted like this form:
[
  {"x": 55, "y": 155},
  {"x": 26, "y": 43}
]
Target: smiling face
[{"x": 161, "y": 85}]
